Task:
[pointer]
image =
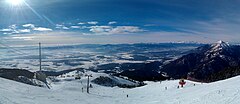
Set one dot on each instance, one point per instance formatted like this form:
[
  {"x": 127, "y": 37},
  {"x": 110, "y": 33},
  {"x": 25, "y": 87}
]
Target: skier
[
  {"x": 91, "y": 86},
  {"x": 182, "y": 82}
]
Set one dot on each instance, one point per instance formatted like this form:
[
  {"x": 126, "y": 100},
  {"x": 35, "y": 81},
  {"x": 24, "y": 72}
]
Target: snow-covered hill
[{"x": 70, "y": 92}]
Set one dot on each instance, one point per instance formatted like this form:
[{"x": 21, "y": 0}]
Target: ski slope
[{"x": 70, "y": 92}]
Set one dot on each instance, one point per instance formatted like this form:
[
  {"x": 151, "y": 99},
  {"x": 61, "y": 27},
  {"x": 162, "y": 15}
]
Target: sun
[{"x": 15, "y": 2}]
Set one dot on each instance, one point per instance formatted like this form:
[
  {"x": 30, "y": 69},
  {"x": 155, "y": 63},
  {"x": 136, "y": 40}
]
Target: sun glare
[{"x": 15, "y": 2}]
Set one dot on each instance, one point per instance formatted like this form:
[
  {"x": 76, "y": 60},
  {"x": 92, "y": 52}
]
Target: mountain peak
[
  {"x": 222, "y": 43},
  {"x": 219, "y": 45}
]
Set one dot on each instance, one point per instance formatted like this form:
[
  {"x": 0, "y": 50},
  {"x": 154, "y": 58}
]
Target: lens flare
[{"x": 15, "y": 2}]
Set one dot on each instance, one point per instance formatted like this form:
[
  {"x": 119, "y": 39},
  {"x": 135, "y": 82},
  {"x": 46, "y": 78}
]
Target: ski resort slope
[{"x": 70, "y": 92}]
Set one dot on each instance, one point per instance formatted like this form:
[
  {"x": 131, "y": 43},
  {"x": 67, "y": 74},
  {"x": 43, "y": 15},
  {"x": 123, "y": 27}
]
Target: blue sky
[{"x": 119, "y": 21}]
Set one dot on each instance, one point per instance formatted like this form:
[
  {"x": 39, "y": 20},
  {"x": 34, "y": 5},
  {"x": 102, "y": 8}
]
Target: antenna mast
[{"x": 40, "y": 57}]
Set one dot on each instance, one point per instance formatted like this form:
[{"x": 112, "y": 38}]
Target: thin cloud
[
  {"x": 65, "y": 28},
  {"x": 127, "y": 29},
  {"x": 100, "y": 29},
  {"x": 75, "y": 27},
  {"x": 6, "y": 30},
  {"x": 93, "y": 22},
  {"x": 42, "y": 29},
  {"x": 58, "y": 26},
  {"x": 28, "y": 25},
  {"x": 24, "y": 31},
  {"x": 112, "y": 22},
  {"x": 150, "y": 25},
  {"x": 14, "y": 26},
  {"x": 22, "y": 38},
  {"x": 7, "y": 33},
  {"x": 108, "y": 30},
  {"x": 81, "y": 23}
]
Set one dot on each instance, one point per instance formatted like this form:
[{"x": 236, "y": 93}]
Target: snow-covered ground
[{"x": 70, "y": 92}]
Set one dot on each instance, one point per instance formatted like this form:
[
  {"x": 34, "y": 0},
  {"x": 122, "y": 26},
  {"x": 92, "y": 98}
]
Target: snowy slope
[{"x": 70, "y": 92}]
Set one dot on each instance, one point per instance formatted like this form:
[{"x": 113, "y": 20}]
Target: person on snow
[{"x": 182, "y": 82}]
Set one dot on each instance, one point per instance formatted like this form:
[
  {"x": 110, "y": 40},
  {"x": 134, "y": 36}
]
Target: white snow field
[{"x": 70, "y": 92}]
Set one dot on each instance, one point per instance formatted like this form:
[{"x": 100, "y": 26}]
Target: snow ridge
[{"x": 220, "y": 45}]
